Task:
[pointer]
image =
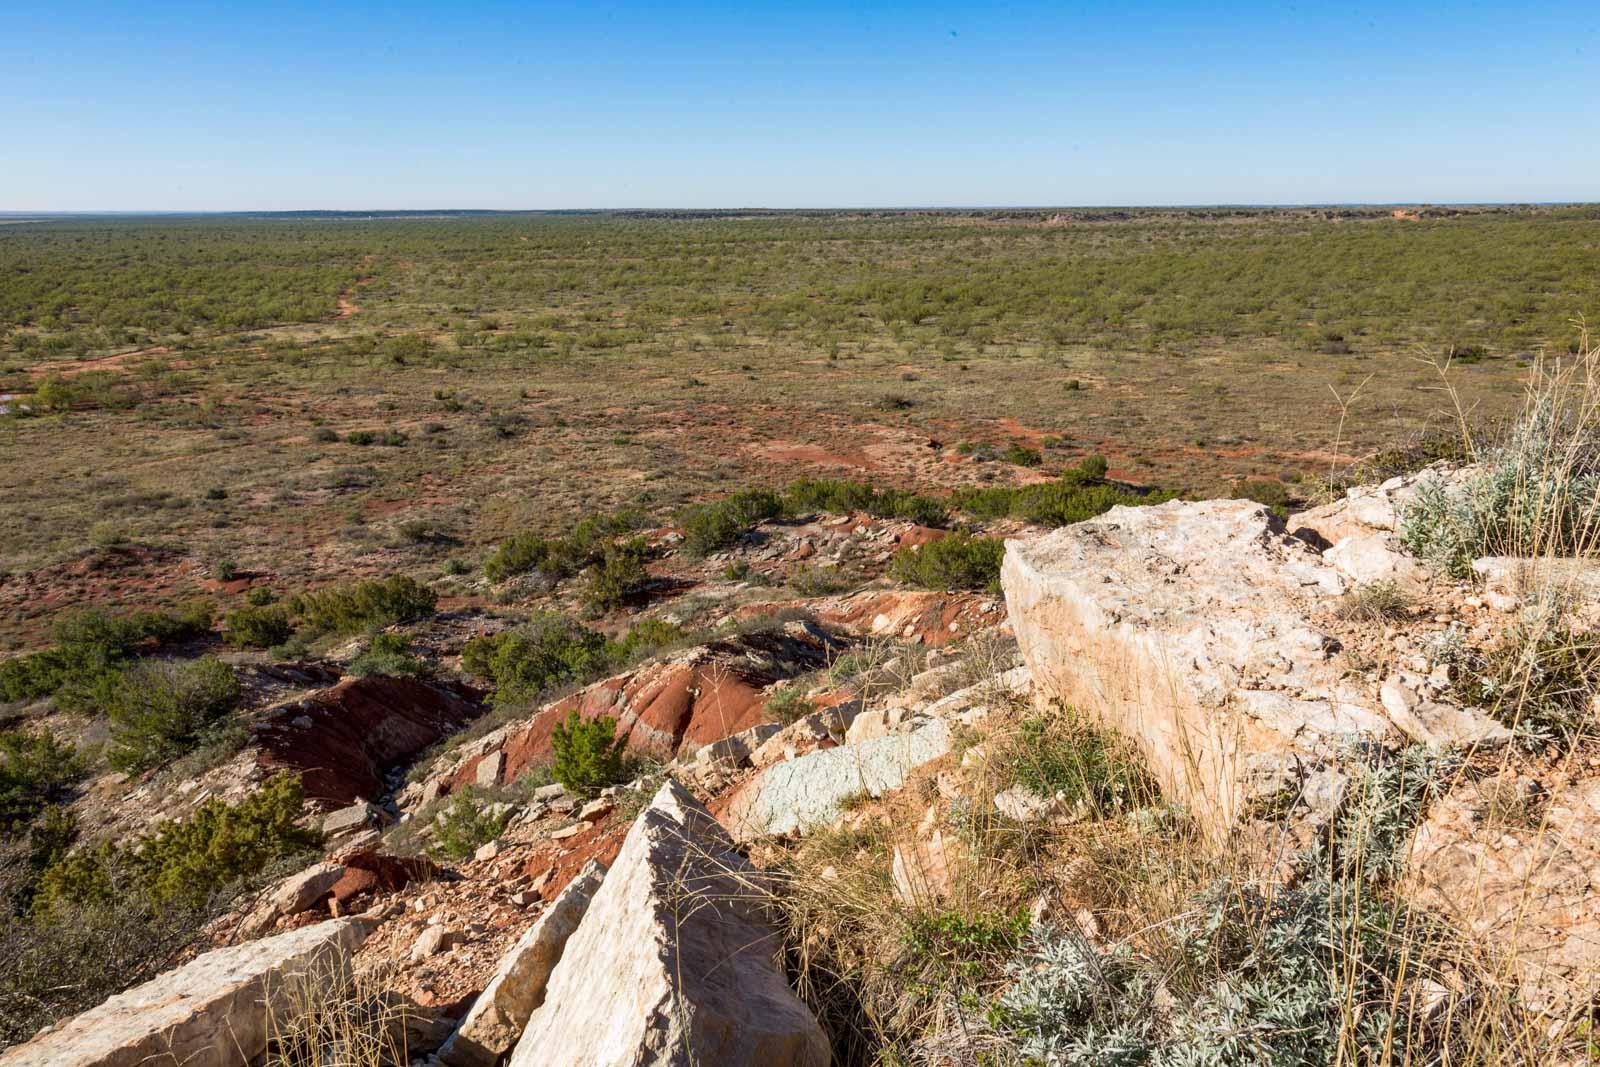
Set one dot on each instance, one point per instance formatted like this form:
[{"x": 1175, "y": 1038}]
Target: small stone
[
  {"x": 595, "y": 810},
  {"x": 566, "y": 832},
  {"x": 487, "y": 851},
  {"x": 434, "y": 940}
]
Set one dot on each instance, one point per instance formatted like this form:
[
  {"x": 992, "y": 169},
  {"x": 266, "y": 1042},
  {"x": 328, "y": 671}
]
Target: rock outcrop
[
  {"x": 675, "y": 961},
  {"x": 342, "y": 740},
  {"x": 211, "y": 1012},
  {"x": 1186, "y": 626},
  {"x": 667, "y": 708},
  {"x": 517, "y": 989},
  {"x": 1519, "y": 869},
  {"x": 811, "y": 790}
]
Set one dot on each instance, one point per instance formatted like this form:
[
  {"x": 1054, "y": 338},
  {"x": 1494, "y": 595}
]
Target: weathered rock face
[
  {"x": 212, "y": 1012},
  {"x": 809, "y": 791},
  {"x": 1360, "y": 533},
  {"x": 667, "y": 708},
  {"x": 1185, "y": 627},
  {"x": 517, "y": 989},
  {"x": 1522, "y": 872},
  {"x": 674, "y": 962},
  {"x": 343, "y": 739}
]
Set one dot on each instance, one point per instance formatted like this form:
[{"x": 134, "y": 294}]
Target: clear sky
[{"x": 157, "y": 105}]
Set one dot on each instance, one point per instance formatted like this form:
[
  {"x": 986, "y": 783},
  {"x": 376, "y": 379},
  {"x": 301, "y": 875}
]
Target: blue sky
[{"x": 178, "y": 106}]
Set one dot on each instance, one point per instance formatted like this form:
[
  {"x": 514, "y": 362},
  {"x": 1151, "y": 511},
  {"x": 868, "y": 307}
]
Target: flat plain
[{"x": 313, "y": 398}]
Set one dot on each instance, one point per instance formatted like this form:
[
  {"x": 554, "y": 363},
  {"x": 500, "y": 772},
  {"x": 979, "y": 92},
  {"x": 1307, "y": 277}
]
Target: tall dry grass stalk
[{"x": 332, "y": 1016}]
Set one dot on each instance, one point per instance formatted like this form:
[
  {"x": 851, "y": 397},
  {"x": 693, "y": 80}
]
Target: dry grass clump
[
  {"x": 332, "y": 1016},
  {"x": 1374, "y": 601}
]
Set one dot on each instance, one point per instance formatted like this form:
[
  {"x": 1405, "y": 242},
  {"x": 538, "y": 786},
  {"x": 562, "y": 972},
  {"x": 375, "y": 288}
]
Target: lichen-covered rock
[
  {"x": 517, "y": 989},
  {"x": 810, "y": 791},
  {"x": 1186, "y": 627},
  {"x": 675, "y": 961},
  {"x": 211, "y": 1012}
]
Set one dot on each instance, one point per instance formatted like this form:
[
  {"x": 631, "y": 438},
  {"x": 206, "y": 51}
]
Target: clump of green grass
[
  {"x": 1540, "y": 680},
  {"x": 1060, "y": 755}
]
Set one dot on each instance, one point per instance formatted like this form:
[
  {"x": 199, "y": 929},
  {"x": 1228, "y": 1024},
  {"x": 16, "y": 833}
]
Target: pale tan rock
[
  {"x": 211, "y": 1012},
  {"x": 487, "y": 774},
  {"x": 517, "y": 989},
  {"x": 675, "y": 961},
  {"x": 925, "y": 869},
  {"x": 434, "y": 940},
  {"x": 1375, "y": 557},
  {"x": 1526, "y": 879},
  {"x": 868, "y": 725},
  {"x": 1437, "y": 724},
  {"x": 295, "y": 894},
  {"x": 1186, "y": 627}
]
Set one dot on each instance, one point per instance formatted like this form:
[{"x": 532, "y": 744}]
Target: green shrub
[
  {"x": 35, "y": 770},
  {"x": 348, "y": 609},
  {"x": 32, "y": 676},
  {"x": 557, "y": 558},
  {"x": 466, "y": 825},
  {"x": 1074, "y": 497},
  {"x": 646, "y": 637},
  {"x": 160, "y": 710},
  {"x": 710, "y": 527},
  {"x": 589, "y": 754},
  {"x": 89, "y": 644},
  {"x": 955, "y": 562},
  {"x": 389, "y": 655},
  {"x": 257, "y": 626},
  {"x": 809, "y": 581},
  {"x": 1022, "y": 455},
  {"x": 789, "y": 704},
  {"x": 548, "y": 651},
  {"x": 843, "y": 497},
  {"x": 617, "y": 577},
  {"x": 184, "y": 862},
  {"x": 1533, "y": 496}
]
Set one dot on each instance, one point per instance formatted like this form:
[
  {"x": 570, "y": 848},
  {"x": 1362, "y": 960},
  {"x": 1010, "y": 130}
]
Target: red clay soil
[
  {"x": 368, "y": 872},
  {"x": 343, "y": 739},
  {"x": 600, "y": 841},
  {"x": 672, "y": 707}
]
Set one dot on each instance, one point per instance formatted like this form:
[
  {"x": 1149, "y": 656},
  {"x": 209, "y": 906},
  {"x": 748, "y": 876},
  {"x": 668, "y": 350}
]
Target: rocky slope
[{"x": 1227, "y": 648}]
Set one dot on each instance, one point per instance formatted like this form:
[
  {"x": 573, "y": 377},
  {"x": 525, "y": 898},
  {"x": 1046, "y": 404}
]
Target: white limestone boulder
[{"x": 675, "y": 961}]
